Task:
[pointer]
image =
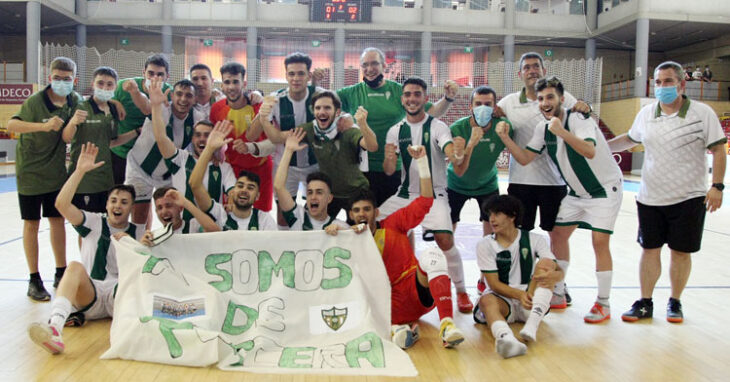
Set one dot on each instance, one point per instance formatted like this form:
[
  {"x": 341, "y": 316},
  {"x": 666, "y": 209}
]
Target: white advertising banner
[{"x": 268, "y": 302}]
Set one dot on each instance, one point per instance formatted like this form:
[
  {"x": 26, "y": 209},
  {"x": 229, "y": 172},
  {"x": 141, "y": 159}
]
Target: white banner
[{"x": 268, "y": 302}]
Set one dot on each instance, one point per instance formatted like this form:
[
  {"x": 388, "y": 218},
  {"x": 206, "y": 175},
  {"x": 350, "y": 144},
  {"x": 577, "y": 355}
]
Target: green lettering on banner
[
  {"x": 368, "y": 346},
  {"x": 290, "y": 356},
  {"x": 245, "y": 345},
  {"x": 267, "y": 268},
  {"x": 150, "y": 264},
  {"x": 166, "y": 328},
  {"x": 330, "y": 261},
  {"x": 229, "y": 327},
  {"x": 211, "y": 266}
]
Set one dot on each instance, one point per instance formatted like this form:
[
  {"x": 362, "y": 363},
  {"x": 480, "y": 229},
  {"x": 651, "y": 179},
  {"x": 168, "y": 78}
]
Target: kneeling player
[
  {"x": 417, "y": 285},
  {"x": 86, "y": 291},
  {"x": 521, "y": 273}
]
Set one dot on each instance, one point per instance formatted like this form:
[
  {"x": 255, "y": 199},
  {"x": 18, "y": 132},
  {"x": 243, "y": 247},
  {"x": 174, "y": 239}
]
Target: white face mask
[{"x": 103, "y": 95}]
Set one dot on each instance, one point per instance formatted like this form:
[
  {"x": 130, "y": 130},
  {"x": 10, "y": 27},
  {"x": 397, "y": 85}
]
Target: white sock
[
  {"x": 560, "y": 285},
  {"x": 456, "y": 268},
  {"x": 540, "y": 305},
  {"x": 604, "y": 286},
  {"x": 500, "y": 329},
  {"x": 61, "y": 308},
  {"x": 505, "y": 342}
]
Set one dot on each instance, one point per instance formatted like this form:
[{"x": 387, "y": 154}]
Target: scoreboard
[{"x": 347, "y": 11}]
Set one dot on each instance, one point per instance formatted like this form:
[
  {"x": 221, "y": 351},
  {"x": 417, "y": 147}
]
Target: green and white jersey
[
  {"x": 587, "y": 178},
  {"x": 525, "y": 115},
  {"x": 675, "y": 167},
  {"x": 257, "y": 221},
  {"x": 202, "y": 111},
  {"x": 99, "y": 128},
  {"x": 40, "y": 164},
  {"x": 97, "y": 252},
  {"x": 434, "y": 135},
  {"x": 480, "y": 177},
  {"x": 298, "y": 219},
  {"x": 146, "y": 156},
  {"x": 289, "y": 114},
  {"x": 516, "y": 263}
]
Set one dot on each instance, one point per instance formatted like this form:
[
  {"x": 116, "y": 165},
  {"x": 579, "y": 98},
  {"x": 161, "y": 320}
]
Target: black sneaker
[
  {"x": 639, "y": 310},
  {"x": 75, "y": 319},
  {"x": 674, "y": 311},
  {"x": 37, "y": 291},
  {"x": 568, "y": 299}
]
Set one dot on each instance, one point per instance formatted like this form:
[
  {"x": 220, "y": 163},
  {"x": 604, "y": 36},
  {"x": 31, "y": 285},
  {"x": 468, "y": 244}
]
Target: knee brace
[{"x": 433, "y": 262}]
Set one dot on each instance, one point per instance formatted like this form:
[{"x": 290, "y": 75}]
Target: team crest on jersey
[
  {"x": 425, "y": 137},
  {"x": 311, "y": 109},
  {"x": 87, "y": 199},
  {"x": 524, "y": 253},
  {"x": 335, "y": 317},
  {"x": 387, "y": 95},
  {"x": 216, "y": 174},
  {"x": 492, "y": 146}
]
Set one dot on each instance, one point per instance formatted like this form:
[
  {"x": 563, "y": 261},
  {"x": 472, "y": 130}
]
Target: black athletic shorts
[
  {"x": 546, "y": 197},
  {"x": 95, "y": 202},
  {"x": 119, "y": 168},
  {"x": 382, "y": 185},
  {"x": 457, "y": 200},
  {"x": 679, "y": 225},
  {"x": 30, "y": 206}
]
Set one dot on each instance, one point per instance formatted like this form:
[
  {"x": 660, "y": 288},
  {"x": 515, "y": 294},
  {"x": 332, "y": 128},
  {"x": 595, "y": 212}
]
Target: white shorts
[
  {"x": 296, "y": 176},
  {"x": 597, "y": 214},
  {"x": 516, "y": 312},
  {"x": 437, "y": 220},
  {"x": 144, "y": 185},
  {"x": 103, "y": 304}
]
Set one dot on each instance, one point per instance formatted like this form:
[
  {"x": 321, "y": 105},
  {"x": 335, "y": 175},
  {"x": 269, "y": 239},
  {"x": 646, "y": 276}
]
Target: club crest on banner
[{"x": 334, "y": 318}]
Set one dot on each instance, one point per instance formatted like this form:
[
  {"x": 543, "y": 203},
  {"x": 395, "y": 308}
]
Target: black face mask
[{"x": 375, "y": 82}]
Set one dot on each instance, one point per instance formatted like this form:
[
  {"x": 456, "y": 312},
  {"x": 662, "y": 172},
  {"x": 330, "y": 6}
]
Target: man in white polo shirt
[{"x": 673, "y": 196}]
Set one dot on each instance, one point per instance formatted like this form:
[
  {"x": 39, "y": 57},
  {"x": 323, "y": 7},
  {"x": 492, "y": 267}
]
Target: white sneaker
[
  {"x": 404, "y": 335},
  {"x": 47, "y": 337},
  {"x": 509, "y": 347},
  {"x": 450, "y": 334}
]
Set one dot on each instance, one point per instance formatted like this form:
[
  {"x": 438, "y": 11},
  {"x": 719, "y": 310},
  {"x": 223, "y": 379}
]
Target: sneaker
[
  {"x": 404, "y": 335},
  {"x": 674, "y": 311},
  {"x": 598, "y": 313},
  {"x": 464, "y": 303},
  {"x": 450, "y": 334},
  {"x": 75, "y": 319},
  {"x": 47, "y": 337},
  {"x": 568, "y": 299},
  {"x": 37, "y": 291},
  {"x": 481, "y": 285},
  {"x": 509, "y": 347},
  {"x": 639, "y": 310},
  {"x": 558, "y": 301}
]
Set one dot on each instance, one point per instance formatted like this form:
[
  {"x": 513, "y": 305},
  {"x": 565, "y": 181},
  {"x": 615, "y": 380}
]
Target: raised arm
[
  {"x": 18, "y": 126},
  {"x": 293, "y": 144},
  {"x": 369, "y": 141},
  {"x": 584, "y": 148},
  {"x": 439, "y": 108},
  {"x": 158, "y": 101},
  {"x": 84, "y": 164},
  {"x": 216, "y": 140},
  {"x": 463, "y": 150},
  {"x": 270, "y": 129},
  {"x": 418, "y": 153},
  {"x": 70, "y": 130},
  {"x": 391, "y": 159},
  {"x": 140, "y": 99},
  {"x": 203, "y": 219},
  {"x": 621, "y": 143},
  {"x": 522, "y": 156}
]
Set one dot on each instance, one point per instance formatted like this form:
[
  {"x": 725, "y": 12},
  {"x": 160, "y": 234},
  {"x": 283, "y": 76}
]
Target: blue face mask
[
  {"x": 666, "y": 94},
  {"x": 62, "y": 88},
  {"x": 103, "y": 95},
  {"x": 483, "y": 114}
]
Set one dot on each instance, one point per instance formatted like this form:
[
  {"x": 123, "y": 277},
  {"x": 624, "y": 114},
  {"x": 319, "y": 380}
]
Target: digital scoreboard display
[{"x": 344, "y": 11}]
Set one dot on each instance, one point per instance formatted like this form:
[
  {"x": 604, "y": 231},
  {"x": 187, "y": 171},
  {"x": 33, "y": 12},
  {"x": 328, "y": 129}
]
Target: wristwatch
[{"x": 719, "y": 186}]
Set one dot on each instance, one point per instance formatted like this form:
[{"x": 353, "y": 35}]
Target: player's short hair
[
  {"x": 160, "y": 192},
  {"x": 123, "y": 188},
  {"x": 363, "y": 195},
  {"x": 64, "y": 63},
  {"x": 201, "y": 67},
  {"x": 159, "y": 60},
  {"x": 184, "y": 84},
  {"x": 381, "y": 55},
  {"x": 233, "y": 68},
  {"x": 483, "y": 90},
  {"x": 506, "y": 204},
  {"x": 204, "y": 122},
  {"x": 250, "y": 176},
  {"x": 105, "y": 71},
  {"x": 671, "y": 65},
  {"x": 320, "y": 176},
  {"x": 298, "y": 58},
  {"x": 327, "y": 94},
  {"x": 416, "y": 81},
  {"x": 549, "y": 82},
  {"x": 532, "y": 55}
]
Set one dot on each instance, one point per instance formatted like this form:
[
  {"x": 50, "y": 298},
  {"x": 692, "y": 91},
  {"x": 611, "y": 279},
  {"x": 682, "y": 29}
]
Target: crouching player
[
  {"x": 521, "y": 273},
  {"x": 86, "y": 290},
  {"x": 417, "y": 285}
]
